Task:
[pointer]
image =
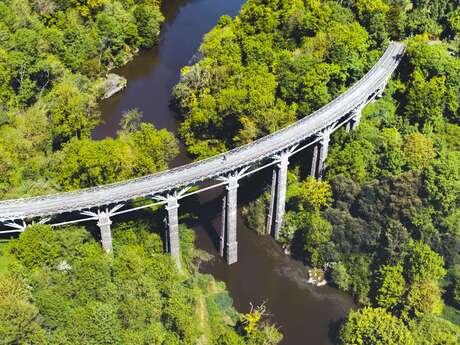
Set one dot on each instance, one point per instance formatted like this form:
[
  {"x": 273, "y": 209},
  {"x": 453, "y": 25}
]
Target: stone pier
[
  {"x": 324, "y": 150},
  {"x": 173, "y": 229},
  {"x": 314, "y": 161},
  {"x": 104, "y": 223},
  {"x": 281, "y": 193},
  {"x": 268, "y": 229},
  {"x": 356, "y": 119},
  {"x": 223, "y": 227},
  {"x": 231, "y": 220}
]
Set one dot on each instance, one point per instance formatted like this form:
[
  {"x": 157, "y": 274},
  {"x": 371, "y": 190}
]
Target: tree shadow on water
[{"x": 334, "y": 330}]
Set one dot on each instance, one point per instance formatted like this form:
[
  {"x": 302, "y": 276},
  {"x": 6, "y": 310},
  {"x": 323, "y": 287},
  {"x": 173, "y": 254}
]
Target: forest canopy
[
  {"x": 383, "y": 223},
  {"x": 54, "y": 57}
]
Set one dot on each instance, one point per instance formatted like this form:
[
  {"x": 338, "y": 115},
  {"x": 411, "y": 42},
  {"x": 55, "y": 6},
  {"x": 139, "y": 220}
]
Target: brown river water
[{"x": 304, "y": 314}]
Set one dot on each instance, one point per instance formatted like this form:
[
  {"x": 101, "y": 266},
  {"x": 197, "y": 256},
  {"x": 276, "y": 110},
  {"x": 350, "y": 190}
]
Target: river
[{"x": 304, "y": 314}]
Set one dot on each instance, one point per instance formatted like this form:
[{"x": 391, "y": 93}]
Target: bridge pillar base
[
  {"x": 232, "y": 253},
  {"x": 104, "y": 223},
  {"x": 172, "y": 236}
]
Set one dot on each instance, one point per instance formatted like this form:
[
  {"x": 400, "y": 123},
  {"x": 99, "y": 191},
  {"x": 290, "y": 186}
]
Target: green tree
[
  {"x": 148, "y": 19},
  {"x": 418, "y": 150},
  {"x": 317, "y": 239},
  {"x": 374, "y": 326},
  {"x": 422, "y": 298},
  {"x": 340, "y": 276},
  {"x": 422, "y": 264},
  {"x": 36, "y": 247},
  {"x": 311, "y": 194},
  {"x": 72, "y": 113},
  {"x": 358, "y": 266},
  {"x": 391, "y": 287},
  {"x": 84, "y": 163},
  {"x": 19, "y": 318},
  {"x": 442, "y": 181},
  {"x": 131, "y": 120},
  {"x": 433, "y": 330}
]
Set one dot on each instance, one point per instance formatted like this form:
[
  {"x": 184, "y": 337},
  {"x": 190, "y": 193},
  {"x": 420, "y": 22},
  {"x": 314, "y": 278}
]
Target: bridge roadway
[{"x": 221, "y": 165}]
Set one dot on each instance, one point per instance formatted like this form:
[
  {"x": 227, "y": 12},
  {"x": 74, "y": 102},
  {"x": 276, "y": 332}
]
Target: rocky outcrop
[
  {"x": 113, "y": 84},
  {"x": 316, "y": 277}
]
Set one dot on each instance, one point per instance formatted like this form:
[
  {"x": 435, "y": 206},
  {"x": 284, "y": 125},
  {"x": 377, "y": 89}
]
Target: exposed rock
[
  {"x": 316, "y": 277},
  {"x": 113, "y": 84},
  {"x": 286, "y": 249}
]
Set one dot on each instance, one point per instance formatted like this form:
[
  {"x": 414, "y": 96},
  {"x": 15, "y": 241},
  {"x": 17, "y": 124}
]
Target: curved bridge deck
[{"x": 358, "y": 95}]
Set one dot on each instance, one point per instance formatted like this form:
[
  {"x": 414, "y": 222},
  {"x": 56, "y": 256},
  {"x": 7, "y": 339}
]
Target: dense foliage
[
  {"x": 384, "y": 222},
  {"x": 275, "y": 63},
  {"x": 60, "y": 287},
  {"x": 64, "y": 289},
  {"x": 54, "y": 55}
]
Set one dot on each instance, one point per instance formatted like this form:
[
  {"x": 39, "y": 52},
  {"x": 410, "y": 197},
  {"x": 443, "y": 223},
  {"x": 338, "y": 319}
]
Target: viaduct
[{"x": 102, "y": 203}]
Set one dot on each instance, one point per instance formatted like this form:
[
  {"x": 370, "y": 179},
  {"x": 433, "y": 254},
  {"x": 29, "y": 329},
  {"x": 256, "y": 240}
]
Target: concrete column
[
  {"x": 323, "y": 153},
  {"x": 173, "y": 229},
  {"x": 231, "y": 220},
  {"x": 356, "y": 119},
  {"x": 314, "y": 161},
  {"x": 224, "y": 226},
  {"x": 104, "y": 223},
  {"x": 281, "y": 194},
  {"x": 268, "y": 229}
]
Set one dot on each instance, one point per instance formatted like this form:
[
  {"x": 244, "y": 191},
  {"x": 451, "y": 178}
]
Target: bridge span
[{"x": 169, "y": 186}]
